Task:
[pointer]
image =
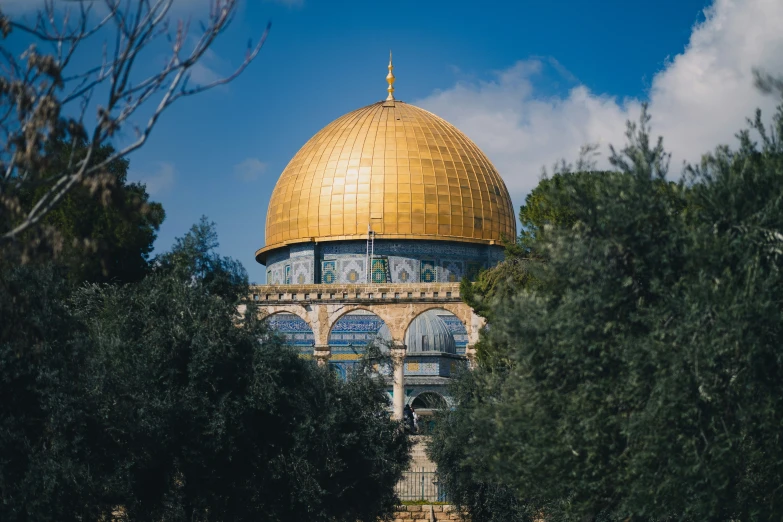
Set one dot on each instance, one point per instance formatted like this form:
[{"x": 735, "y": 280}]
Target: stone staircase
[{"x": 419, "y": 459}]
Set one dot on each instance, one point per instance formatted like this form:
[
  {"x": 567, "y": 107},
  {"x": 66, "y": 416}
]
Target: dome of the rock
[
  {"x": 389, "y": 193},
  {"x": 371, "y": 229},
  {"x": 396, "y": 168}
]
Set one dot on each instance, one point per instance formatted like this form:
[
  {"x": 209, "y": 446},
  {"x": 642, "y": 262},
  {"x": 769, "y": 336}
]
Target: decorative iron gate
[{"x": 420, "y": 485}]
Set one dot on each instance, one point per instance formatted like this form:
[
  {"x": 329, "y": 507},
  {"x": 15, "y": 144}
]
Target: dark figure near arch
[{"x": 407, "y": 419}]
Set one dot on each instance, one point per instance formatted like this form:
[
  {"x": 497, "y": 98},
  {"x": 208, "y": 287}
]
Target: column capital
[
  {"x": 398, "y": 349},
  {"x": 321, "y": 354}
]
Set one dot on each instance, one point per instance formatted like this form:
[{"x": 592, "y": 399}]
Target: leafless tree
[{"x": 43, "y": 98}]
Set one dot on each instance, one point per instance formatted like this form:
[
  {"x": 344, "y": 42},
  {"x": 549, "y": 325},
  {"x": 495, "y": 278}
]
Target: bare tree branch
[{"x": 38, "y": 89}]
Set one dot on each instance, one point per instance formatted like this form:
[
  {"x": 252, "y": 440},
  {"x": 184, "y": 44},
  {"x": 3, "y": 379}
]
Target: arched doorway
[
  {"x": 425, "y": 405},
  {"x": 349, "y": 337},
  {"x": 428, "y": 401},
  {"x": 295, "y": 330}
]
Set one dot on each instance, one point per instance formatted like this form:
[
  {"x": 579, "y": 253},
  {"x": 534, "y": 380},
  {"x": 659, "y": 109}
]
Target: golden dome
[{"x": 404, "y": 171}]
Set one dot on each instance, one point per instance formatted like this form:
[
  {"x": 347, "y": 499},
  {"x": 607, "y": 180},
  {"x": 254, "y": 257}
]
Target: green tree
[
  {"x": 219, "y": 419},
  {"x": 53, "y": 464},
  {"x": 105, "y": 231},
  {"x": 545, "y": 207},
  {"x": 645, "y": 377},
  {"x": 466, "y": 480},
  {"x": 157, "y": 399},
  {"x": 549, "y": 207}
]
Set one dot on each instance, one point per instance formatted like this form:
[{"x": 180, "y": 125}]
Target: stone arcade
[{"x": 370, "y": 229}]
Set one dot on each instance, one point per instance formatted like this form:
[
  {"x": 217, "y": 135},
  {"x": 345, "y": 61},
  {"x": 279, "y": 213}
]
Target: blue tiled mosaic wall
[
  {"x": 349, "y": 337},
  {"x": 295, "y": 330},
  {"x": 429, "y": 273},
  {"x": 395, "y": 262},
  {"x": 291, "y": 265},
  {"x": 352, "y": 332}
]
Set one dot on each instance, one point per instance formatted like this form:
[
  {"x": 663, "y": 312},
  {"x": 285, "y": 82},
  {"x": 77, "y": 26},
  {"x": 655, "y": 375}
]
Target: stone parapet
[{"x": 363, "y": 293}]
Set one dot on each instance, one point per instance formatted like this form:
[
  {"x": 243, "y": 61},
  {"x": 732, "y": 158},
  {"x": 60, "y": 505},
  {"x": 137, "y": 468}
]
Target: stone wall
[{"x": 427, "y": 513}]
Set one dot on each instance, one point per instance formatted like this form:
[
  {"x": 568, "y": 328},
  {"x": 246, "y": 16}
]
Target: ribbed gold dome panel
[{"x": 399, "y": 168}]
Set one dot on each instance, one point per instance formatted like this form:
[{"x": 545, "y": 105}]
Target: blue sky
[{"x": 528, "y": 81}]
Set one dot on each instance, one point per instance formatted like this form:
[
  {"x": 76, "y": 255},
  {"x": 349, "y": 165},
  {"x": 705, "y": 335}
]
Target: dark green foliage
[
  {"x": 487, "y": 500},
  {"x": 645, "y": 377},
  {"x": 56, "y": 461},
  {"x": 548, "y": 208},
  {"x": 51, "y": 461},
  {"x": 193, "y": 257},
  {"x": 105, "y": 229},
  {"x": 158, "y": 398},
  {"x": 498, "y": 282}
]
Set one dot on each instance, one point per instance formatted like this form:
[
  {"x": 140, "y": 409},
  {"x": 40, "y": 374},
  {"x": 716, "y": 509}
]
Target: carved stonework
[{"x": 396, "y": 305}]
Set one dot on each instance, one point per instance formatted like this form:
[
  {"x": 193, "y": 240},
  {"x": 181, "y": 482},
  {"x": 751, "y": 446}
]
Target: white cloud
[
  {"x": 204, "y": 72},
  {"x": 250, "y": 169},
  {"x": 159, "y": 180},
  {"x": 700, "y": 99},
  {"x": 210, "y": 68}
]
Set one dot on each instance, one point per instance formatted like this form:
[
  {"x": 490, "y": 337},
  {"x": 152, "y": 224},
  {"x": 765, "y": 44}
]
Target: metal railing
[{"x": 420, "y": 485}]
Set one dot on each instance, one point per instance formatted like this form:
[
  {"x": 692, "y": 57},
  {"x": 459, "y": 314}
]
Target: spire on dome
[{"x": 390, "y": 79}]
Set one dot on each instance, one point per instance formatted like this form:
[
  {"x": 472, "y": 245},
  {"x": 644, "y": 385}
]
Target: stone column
[
  {"x": 321, "y": 354},
  {"x": 471, "y": 354},
  {"x": 398, "y": 360}
]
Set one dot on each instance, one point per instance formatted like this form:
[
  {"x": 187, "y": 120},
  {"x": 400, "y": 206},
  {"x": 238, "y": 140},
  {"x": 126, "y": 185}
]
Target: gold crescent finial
[{"x": 390, "y": 79}]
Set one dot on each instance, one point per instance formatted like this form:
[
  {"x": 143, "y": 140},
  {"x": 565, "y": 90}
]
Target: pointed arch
[
  {"x": 294, "y": 328},
  {"x": 308, "y": 314}
]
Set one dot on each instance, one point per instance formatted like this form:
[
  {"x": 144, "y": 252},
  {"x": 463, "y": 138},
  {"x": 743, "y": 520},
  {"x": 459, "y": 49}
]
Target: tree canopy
[
  {"x": 158, "y": 400},
  {"x": 643, "y": 376},
  {"x": 105, "y": 234}
]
